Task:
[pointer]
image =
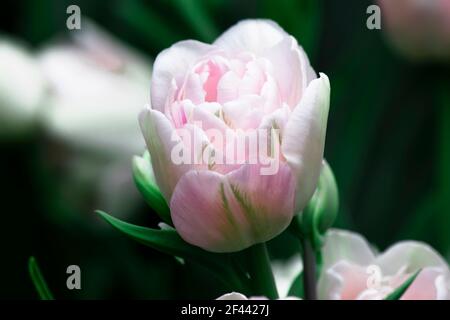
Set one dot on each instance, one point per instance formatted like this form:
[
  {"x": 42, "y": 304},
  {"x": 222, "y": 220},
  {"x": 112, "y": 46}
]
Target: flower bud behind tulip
[
  {"x": 419, "y": 29},
  {"x": 321, "y": 211}
]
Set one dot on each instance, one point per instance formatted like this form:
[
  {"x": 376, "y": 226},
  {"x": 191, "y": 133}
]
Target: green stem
[
  {"x": 309, "y": 270},
  {"x": 263, "y": 281}
]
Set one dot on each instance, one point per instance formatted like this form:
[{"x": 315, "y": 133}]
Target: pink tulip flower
[
  {"x": 253, "y": 79},
  {"x": 352, "y": 270}
]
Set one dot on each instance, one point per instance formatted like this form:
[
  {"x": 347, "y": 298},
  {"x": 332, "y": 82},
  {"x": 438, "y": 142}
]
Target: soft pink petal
[
  {"x": 245, "y": 112},
  {"x": 253, "y": 79},
  {"x": 343, "y": 281},
  {"x": 251, "y": 35},
  {"x": 230, "y": 213},
  {"x": 173, "y": 63},
  {"x": 200, "y": 213},
  {"x": 430, "y": 284},
  {"x": 227, "y": 87},
  {"x": 271, "y": 95},
  {"x": 276, "y": 120},
  {"x": 193, "y": 89},
  {"x": 268, "y": 214},
  {"x": 343, "y": 250},
  {"x": 161, "y": 138},
  {"x": 291, "y": 69}
]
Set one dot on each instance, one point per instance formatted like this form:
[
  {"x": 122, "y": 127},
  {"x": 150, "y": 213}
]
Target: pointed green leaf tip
[
  {"x": 321, "y": 211},
  {"x": 296, "y": 289},
  {"x": 398, "y": 293},
  {"x": 168, "y": 241},
  {"x": 146, "y": 184},
  {"x": 38, "y": 280}
]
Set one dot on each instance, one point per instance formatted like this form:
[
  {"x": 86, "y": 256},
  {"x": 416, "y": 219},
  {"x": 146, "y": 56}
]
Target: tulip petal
[
  {"x": 346, "y": 245},
  {"x": 430, "y": 284},
  {"x": 343, "y": 281},
  {"x": 172, "y": 63},
  {"x": 226, "y": 213},
  {"x": 412, "y": 255},
  {"x": 200, "y": 213},
  {"x": 255, "y": 36},
  {"x": 244, "y": 112},
  {"x": 343, "y": 251},
  {"x": 161, "y": 139},
  {"x": 291, "y": 69},
  {"x": 304, "y": 138},
  {"x": 267, "y": 215}
]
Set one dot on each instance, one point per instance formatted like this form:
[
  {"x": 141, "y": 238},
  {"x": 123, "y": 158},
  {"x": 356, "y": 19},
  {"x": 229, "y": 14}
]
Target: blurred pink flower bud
[
  {"x": 353, "y": 271},
  {"x": 253, "y": 81},
  {"x": 419, "y": 29}
]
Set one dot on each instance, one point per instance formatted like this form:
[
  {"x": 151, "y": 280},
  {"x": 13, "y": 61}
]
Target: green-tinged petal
[
  {"x": 304, "y": 138},
  {"x": 322, "y": 209}
]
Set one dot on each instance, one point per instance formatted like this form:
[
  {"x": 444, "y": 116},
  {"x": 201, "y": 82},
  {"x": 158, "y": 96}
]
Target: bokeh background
[{"x": 388, "y": 140}]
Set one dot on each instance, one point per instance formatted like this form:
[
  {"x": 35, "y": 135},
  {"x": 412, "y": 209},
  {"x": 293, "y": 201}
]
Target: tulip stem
[
  {"x": 263, "y": 281},
  {"x": 309, "y": 270}
]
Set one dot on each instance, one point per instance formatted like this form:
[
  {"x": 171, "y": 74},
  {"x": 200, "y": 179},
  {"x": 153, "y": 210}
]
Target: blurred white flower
[
  {"x": 98, "y": 87},
  {"x": 22, "y": 89}
]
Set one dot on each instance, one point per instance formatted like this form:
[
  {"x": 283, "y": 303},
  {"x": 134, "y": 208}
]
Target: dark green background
[{"x": 388, "y": 142}]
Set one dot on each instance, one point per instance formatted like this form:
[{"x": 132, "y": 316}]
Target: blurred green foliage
[{"x": 388, "y": 143}]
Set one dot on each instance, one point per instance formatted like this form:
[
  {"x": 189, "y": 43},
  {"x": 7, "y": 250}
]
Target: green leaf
[
  {"x": 145, "y": 182},
  {"x": 398, "y": 293},
  {"x": 168, "y": 241},
  {"x": 296, "y": 289},
  {"x": 38, "y": 280}
]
